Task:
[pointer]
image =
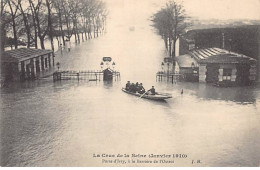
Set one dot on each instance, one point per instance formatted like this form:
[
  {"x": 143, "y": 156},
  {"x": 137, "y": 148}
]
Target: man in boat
[
  {"x": 137, "y": 86},
  {"x": 132, "y": 88},
  {"x": 141, "y": 89},
  {"x": 127, "y": 86},
  {"x": 152, "y": 91}
]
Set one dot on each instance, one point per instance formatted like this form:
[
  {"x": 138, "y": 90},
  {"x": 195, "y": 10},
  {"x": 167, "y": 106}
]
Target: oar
[{"x": 143, "y": 95}]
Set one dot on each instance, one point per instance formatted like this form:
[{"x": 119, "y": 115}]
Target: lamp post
[
  {"x": 113, "y": 65},
  {"x": 192, "y": 65},
  {"x": 168, "y": 66},
  {"x": 162, "y": 65},
  {"x": 58, "y": 65},
  {"x": 102, "y": 65}
]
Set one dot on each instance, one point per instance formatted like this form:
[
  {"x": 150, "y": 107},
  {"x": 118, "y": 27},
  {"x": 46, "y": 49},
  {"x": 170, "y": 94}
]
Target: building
[
  {"x": 25, "y": 63},
  {"x": 219, "y": 66},
  {"x": 240, "y": 39}
]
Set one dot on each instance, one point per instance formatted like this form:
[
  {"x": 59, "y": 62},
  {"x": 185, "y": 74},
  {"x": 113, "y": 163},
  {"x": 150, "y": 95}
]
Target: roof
[
  {"x": 23, "y": 54},
  {"x": 185, "y": 61},
  {"x": 217, "y": 55},
  {"x": 108, "y": 69}
]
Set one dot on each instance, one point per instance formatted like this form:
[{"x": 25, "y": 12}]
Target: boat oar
[{"x": 143, "y": 95}]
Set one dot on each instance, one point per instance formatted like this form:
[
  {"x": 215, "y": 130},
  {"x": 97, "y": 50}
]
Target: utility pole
[{"x": 223, "y": 40}]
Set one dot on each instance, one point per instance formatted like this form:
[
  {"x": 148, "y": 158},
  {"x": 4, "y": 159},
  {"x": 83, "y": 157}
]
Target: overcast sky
[{"x": 204, "y": 9}]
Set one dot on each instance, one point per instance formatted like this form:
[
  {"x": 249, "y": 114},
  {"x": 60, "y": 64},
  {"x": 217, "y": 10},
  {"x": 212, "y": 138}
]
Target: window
[{"x": 227, "y": 74}]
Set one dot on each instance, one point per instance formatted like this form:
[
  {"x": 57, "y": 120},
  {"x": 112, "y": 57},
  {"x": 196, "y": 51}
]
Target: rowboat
[{"x": 157, "y": 96}]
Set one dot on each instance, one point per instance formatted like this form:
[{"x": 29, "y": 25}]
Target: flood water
[{"x": 65, "y": 123}]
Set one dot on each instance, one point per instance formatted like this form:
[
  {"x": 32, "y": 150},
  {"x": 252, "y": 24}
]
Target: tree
[
  {"x": 13, "y": 11},
  {"x": 170, "y": 24},
  {"x": 3, "y": 23},
  {"x": 41, "y": 18},
  {"x": 36, "y": 19},
  {"x": 50, "y": 26},
  {"x": 25, "y": 14},
  {"x": 57, "y": 4}
]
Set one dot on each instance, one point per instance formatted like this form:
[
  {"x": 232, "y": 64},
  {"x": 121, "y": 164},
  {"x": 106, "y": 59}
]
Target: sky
[{"x": 203, "y": 9}]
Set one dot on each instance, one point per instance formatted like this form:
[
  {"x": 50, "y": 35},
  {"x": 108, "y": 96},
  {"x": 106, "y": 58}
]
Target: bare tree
[
  {"x": 13, "y": 11},
  {"x": 50, "y": 26},
  {"x": 26, "y": 22},
  {"x": 52, "y": 18},
  {"x": 41, "y": 18},
  {"x": 3, "y": 23},
  {"x": 170, "y": 23},
  {"x": 58, "y": 7}
]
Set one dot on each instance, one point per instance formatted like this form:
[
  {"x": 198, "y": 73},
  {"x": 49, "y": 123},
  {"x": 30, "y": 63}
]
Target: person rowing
[{"x": 152, "y": 91}]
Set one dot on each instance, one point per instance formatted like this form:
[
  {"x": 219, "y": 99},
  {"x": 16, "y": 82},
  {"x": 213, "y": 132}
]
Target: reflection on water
[{"x": 65, "y": 123}]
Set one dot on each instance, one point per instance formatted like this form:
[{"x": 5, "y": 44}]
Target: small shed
[
  {"x": 25, "y": 63},
  {"x": 188, "y": 67},
  {"x": 108, "y": 74}
]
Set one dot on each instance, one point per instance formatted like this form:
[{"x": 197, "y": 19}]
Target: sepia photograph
[{"x": 130, "y": 83}]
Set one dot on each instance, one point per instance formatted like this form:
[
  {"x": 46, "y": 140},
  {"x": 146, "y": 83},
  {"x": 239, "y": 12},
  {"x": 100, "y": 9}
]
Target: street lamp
[
  {"x": 162, "y": 65},
  {"x": 113, "y": 65},
  {"x": 58, "y": 65},
  {"x": 192, "y": 65},
  {"x": 168, "y": 66},
  {"x": 101, "y": 65}
]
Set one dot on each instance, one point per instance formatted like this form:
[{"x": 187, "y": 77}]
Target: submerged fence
[
  {"x": 88, "y": 75},
  {"x": 169, "y": 77}
]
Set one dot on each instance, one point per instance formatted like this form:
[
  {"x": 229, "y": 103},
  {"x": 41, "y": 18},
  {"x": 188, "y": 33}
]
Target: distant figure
[
  {"x": 181, "y": 91},
  {"x": 141, "y": 89},
  {"x": 132, "y": 88},
  {"x": 127, "y": 86},
  {"x": 137, "y": 86},
  {"x": 152, "y": 91}
]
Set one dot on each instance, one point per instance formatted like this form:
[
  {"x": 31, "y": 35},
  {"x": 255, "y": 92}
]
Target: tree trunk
[
  {"x": 76, "y": 41},
  {"x": 173, "y": 48},
  {"x": 165, "y": 42},
  {"x": 2, "y": 37},
  {"x": 170, "y": 47},
  {"x": 35, "y": 37},
  {"x": 27, "y": 28},
  {"x": 86, "y": 36},
  {"x": 28, "y": 40},
  {"x": 42, "y": 42},
  {"x": 173, "y": 52},
  {"x": 34, "y": 25},
  {"x": 61, "y": 28},
  {"x": 15, "y": 33},
  {"x": 97, "y": 30},
  {"x": 50, "y": 24},
  {"x": 94, "y": 28}
]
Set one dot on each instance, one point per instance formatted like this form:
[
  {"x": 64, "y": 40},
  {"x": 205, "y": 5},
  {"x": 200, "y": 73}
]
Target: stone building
[
  {"x": 25, "y": 63},
  {"x": 239, "y": 39},
  {"x": 221, "y": 67}
]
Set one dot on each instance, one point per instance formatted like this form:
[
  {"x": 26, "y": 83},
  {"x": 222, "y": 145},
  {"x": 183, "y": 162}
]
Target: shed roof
[
  {"x": 23, "y": 54},
  {"x": 185, "y": 61},
  {"x": 217, "y": 55}
]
